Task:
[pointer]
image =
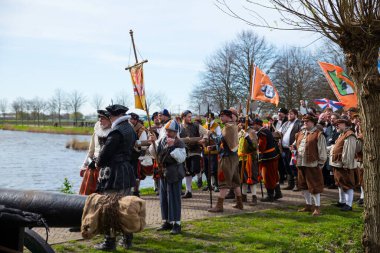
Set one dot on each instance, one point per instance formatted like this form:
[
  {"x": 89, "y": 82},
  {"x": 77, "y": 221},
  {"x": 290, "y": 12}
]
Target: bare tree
[
  {"x": 354, "y": 25},
  {"x": 332, "y": 53},
  {"x": 37, "y": 105},
  {"x": 251, "y": 48},
  {"x": 218, "y": 79},
  {"x": 225, "y": 80},
  {"x": 58, "y": 101},
  {"x": 3, "y": 107},
  {"x": 297, "y": 76},
  {"x": 75, "y": 100},
  {"x": 160, "y": 100},
  {"x": 123, "y": 98},
  {"x": 97, "y": 101},
  {"x": 19, "y": 106}
]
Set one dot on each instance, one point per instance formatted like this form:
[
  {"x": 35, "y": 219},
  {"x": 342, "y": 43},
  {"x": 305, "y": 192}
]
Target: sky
[{"x": 85, "y": 45}]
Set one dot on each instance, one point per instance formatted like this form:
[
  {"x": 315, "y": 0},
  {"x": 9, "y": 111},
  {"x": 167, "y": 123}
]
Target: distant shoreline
[{"x": 49, "y": 129}]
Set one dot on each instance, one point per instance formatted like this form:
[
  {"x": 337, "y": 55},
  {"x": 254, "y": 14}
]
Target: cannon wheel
[{"x": 35, "y": 243}]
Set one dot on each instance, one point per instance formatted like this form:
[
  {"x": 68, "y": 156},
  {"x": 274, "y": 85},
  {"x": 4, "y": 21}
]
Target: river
[{"x": 39, "y": 161}]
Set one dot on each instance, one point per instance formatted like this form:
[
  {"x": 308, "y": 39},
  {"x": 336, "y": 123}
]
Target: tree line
[
  {"x": 224, "y": 82},
  {"x": 66, "y": 106}
]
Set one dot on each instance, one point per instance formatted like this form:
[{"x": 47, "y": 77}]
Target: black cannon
[{"x": 54, "y": 209}]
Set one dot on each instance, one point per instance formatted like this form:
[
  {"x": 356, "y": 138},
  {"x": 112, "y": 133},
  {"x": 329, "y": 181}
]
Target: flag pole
[
  {"x": 139, "y": 95},
  {"x": 247, "y": 116}
]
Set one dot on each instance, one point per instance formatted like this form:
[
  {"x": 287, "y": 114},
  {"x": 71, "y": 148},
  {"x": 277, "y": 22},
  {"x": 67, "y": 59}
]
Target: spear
[
  {"x": 208, "y": 153},
  {"x": 247, "y": 117}
]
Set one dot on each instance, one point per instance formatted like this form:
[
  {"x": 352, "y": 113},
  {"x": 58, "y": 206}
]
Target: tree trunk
[{"x": 362, "y": 66}]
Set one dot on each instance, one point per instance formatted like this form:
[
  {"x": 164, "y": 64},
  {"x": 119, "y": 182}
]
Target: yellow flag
[{"x": 138, "y": 86}]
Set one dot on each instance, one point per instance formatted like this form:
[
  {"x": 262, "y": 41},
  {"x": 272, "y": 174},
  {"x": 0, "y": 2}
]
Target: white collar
[{"x": 119, "y": 120}]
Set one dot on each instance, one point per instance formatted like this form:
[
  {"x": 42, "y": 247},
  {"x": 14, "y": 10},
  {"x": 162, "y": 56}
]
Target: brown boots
[
  {"x": 317, "y": 211},
  {"x": 218, "y": 207},
  {"x": 307, "y": 208},
  {"x": 254, "y": 201},
  {"x": 239, "y": 202}
]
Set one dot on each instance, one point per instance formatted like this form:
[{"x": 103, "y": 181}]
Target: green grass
[
  {"x": 50, "y": 129},
  {"x": 280, "y": 230}
]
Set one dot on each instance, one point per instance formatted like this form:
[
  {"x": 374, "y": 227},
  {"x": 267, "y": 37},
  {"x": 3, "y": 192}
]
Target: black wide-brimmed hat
[
  {"x": 134, "y": 116},
  {"x": 103, "y": 113},
  {"x": 283, "y": 110},
  {"x": 257, "y": 121},
  {"x": 211, "y": 114},
  {"x": 185, "y": 113},
  {"x": 226, "y": 112},
  {"x": 155, "y": 114},
  {"x": 116, "y": 109}
]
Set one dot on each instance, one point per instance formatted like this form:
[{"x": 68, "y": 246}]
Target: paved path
[{"x": 194, "y": 209}]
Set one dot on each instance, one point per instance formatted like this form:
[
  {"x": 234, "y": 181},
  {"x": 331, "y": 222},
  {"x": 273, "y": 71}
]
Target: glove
[{"x": 81, "y": 172}]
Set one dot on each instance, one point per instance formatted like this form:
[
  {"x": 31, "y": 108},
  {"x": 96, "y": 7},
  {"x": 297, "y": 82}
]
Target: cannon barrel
[{"x": 58, "y": 209}]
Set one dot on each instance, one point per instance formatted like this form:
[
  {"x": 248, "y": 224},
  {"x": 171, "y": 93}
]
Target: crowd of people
[{"x": 306, "y": 149}]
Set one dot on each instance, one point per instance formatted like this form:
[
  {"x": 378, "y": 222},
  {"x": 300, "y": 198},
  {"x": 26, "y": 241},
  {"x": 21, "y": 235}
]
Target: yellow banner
[{"x": 138, "y": 86}]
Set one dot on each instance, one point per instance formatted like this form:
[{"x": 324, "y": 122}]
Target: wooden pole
[
  {"x": 133, "y": 44},
  {"x": 139, "y": 95},
  {"x": 247, "y": 116},
  {"x": 209, "y": 155}
]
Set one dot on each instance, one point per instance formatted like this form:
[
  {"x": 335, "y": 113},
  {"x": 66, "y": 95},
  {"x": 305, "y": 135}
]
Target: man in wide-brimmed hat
[
  {"x": 356, "y": 122},
  {"x": 268, "y": 161},
  {"x": 189, "y": 129},
  {"x": 211, "y": 156},
  {"x": 88, "y": 171},
  {"x": 311, "y": 157},
  {"x": 342, "y": 159},
  {"x": 228, "y": 174},
  {"x": 116, "y": 174}
]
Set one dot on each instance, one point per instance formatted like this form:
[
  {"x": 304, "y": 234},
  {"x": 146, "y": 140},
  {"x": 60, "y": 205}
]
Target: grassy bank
[
  {"x": 279, "y": 230},
  {"x": 50, "y": 129}
]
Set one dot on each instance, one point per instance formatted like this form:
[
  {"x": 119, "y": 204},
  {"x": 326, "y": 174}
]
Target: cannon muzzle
[{"x": 58, "y": 209}]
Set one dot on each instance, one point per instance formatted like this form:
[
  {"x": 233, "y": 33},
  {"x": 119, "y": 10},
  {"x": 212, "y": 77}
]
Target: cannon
[{"x": 55, "y": 209}]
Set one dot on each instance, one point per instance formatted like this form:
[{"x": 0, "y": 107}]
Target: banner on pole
[
  {"x": 137, "y": 76},
  {"x": 340, "y": 83},
  {"x": 263, "y": 88}
]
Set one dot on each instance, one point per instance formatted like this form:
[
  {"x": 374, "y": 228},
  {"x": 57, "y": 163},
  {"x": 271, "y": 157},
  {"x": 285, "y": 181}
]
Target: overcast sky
[{"x": 85, "y": 45}]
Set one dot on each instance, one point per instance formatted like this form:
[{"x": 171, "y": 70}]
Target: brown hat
[
  {"x": 234, "y": 112},
  {"x": 228, "y": 113},
  {"x": 311, "y": 118},
  {"x": 354, "y": 115},
  {"x": 343, "y": 120},
  {"x": 353, "y": 109}
]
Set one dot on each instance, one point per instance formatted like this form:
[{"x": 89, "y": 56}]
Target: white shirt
[
  {"x": 278, "y": 125},
  {"x": 286, "y": 137}
]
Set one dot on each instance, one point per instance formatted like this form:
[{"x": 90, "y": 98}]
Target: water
[{"x": 38, "y": 161}]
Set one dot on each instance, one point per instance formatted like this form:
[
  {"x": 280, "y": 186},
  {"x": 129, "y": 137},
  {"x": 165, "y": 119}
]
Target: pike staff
[{"x": 208, "y": 153}]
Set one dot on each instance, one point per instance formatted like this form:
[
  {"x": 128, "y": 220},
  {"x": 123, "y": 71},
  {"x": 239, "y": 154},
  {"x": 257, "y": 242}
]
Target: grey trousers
[{"x": 170, "y": 200}]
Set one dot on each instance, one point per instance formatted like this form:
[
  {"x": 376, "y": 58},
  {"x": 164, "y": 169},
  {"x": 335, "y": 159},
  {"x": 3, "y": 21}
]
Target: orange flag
[
  {"x": 341, "y": 84},
  {"x": 137, "y": 76},
  {"x": 263, "y": 88}
]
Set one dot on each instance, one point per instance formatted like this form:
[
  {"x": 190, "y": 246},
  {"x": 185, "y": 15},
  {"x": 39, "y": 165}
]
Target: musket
[
  {"x": 208, "y": 153},
  {"x": 186, "y": 140}
]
